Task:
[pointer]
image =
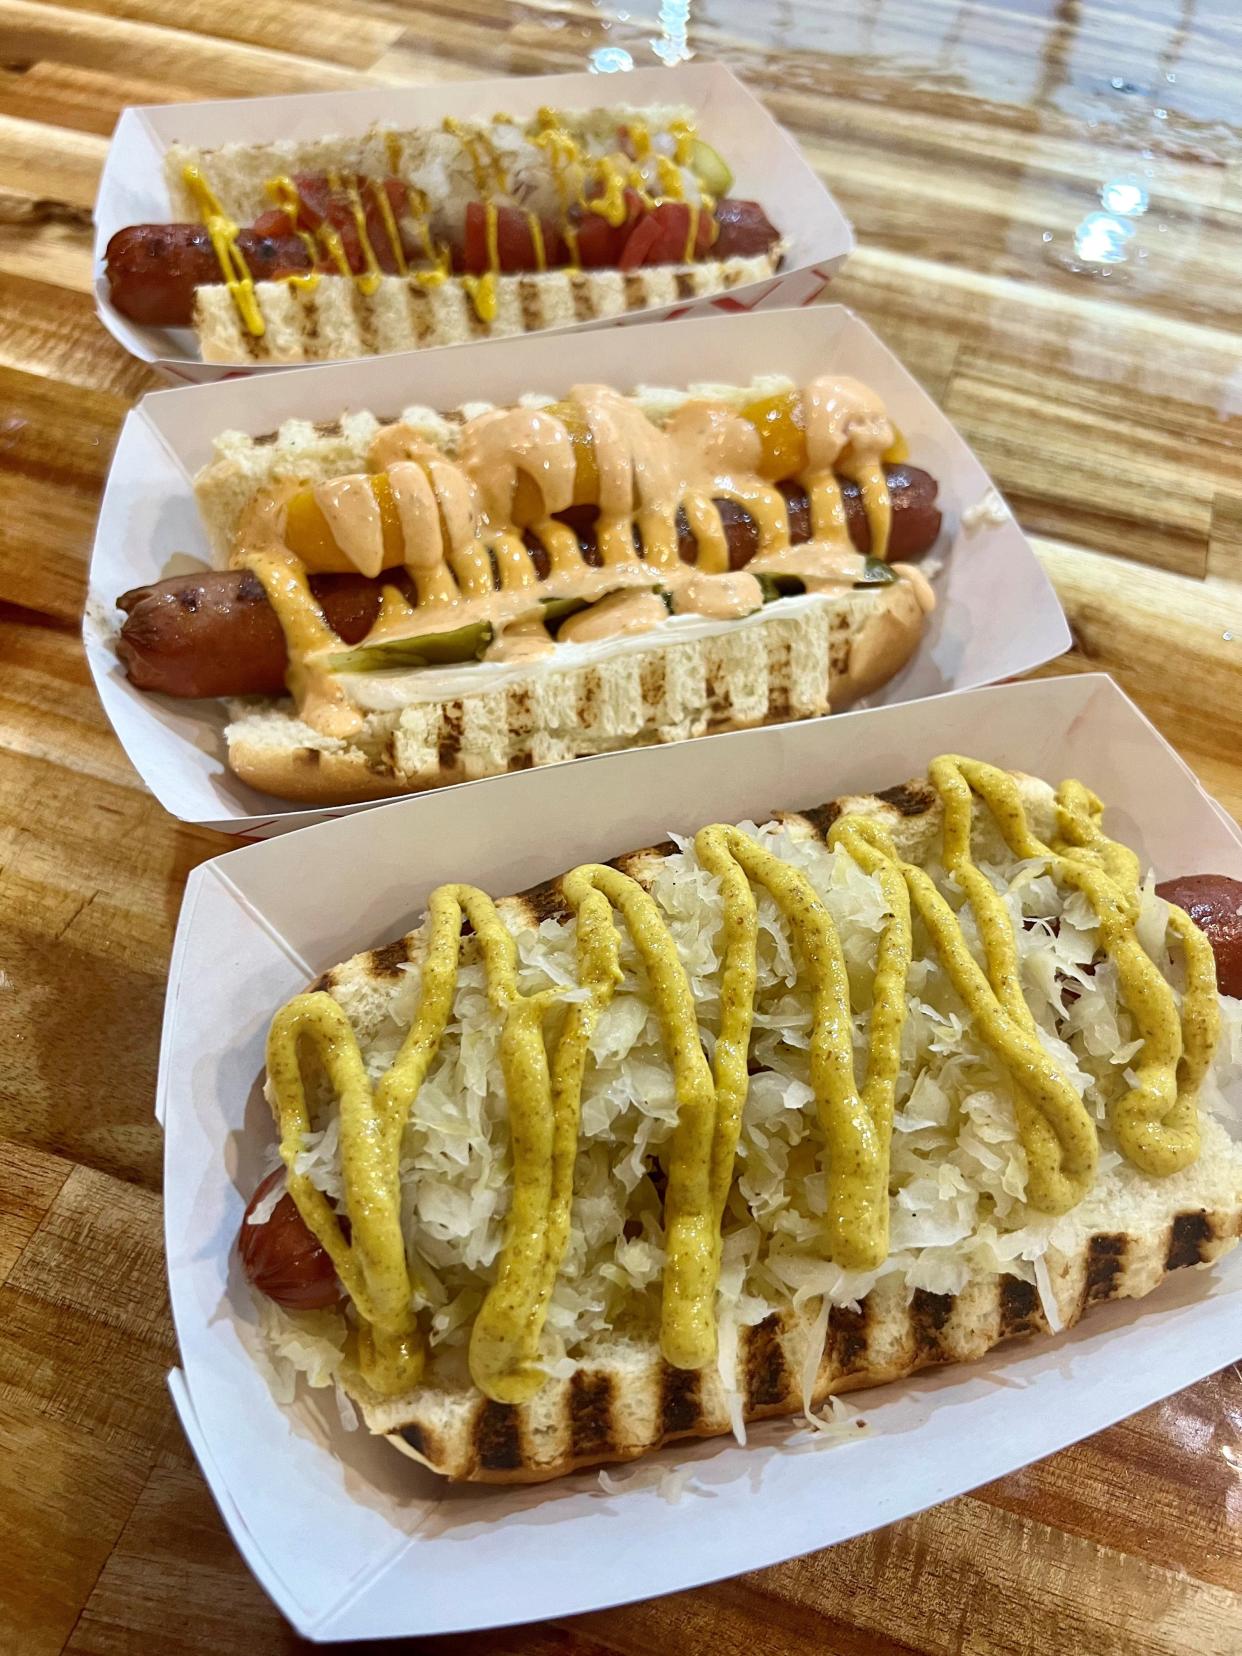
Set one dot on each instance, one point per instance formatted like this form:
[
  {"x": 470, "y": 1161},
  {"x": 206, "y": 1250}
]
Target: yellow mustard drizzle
[
  {"x": 368, "y": 279},
  {"x": 284, "y": 193},
  {"x": 612, "y": 174},
  {"x": 484, "y": 158},
  {"x": 857, "y": 1127},
  {"x": 537, "y": 242},
  {"x": 223, "y": 233},
  {"x": 683, "y": 133},
  {"x": 417, "y": 204},
  {"x": 609, "y": 203},
  {"x": 390, "y": 228},
  {"x": 561, "y": 152},
  {"x": 1053, "y": 1124},
  {"x": 439, "y": 256},
  {"x": 669, "y": 174},
  {"x": 640, "y": 137},
  {"x": 609, "y": 176},
  {"x": 1155, "y": 1121},
  {"x": 692, "y": 233},
  {"x": 372, "y": 1264},
  {"x": 1155, "y": 1130}
]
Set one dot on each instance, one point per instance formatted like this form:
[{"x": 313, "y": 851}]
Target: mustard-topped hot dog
[
  {"x": 722, "y": 1127},
  {"x": 155, "y": 270},
  {"x": 419, "y": 236}
]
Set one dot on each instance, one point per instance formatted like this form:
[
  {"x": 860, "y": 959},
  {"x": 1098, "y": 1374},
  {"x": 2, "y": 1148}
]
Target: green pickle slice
[{"x": 439, "y": 649}]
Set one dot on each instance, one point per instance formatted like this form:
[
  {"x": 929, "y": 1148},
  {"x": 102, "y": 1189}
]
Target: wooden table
[{"x": 971, "y": 144}]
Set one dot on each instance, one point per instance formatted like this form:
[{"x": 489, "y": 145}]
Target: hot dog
[
  {"x": 396, "y": 239},
  {"x": 484, "y": 1287},
  {"x": 432, "y": 593},
  {"x": 280, "y": 1256},
  {"x": 215, "y": 634},
  {"x": 155, "y": 270}
]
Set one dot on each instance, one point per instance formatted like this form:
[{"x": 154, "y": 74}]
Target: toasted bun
[
  {"x": 624, "y": 1399},
  {"x": 335, "y": 319},
  {"x": 798, "y": 665},
  {"x": 627, "y": 1400}
]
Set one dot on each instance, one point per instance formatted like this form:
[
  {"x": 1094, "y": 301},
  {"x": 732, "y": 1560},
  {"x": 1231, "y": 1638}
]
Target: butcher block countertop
[{"x": 1048, "y": 200}]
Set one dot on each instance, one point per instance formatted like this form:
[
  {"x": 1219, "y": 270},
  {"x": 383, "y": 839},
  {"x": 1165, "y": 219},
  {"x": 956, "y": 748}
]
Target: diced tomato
[
  {"x": 275, "y": 222},
  {"x": 474, "y": 249},
  {"x": 661, "y": 237},
  {"x": 640, "y": 244},
  {"x": 377, "y": 228},
  {"x": 634, "y": 210},
  {"x": 514, "y": 242},
  {"x": 594, "y": 242},
  {"x": 515, "y": 246},
  {"x": 319, "y": 203},
  {"x": 314, "y": 195},
  {"x": 601, "y": 244}
]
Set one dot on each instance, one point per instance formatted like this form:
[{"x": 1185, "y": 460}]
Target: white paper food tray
[
  {"x": 768, "y": 167},
  {"x": 354, "y": 1541},
  {"x": 997, "y": 614}
]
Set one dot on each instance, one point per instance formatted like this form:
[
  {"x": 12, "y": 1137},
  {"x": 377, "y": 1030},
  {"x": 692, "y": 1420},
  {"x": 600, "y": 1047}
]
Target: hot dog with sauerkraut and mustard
[{"x": 732, "y": 1124}]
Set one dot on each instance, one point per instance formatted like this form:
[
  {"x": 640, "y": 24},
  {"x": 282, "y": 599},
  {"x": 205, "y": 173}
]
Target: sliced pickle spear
[
  {"x": 560, "y": 609},
  {"x": 438, "y": 649},
  {"x": 875, "y": 572},
  {"x": 711, "y": 169},
  {"x": 779, "y": 586}
]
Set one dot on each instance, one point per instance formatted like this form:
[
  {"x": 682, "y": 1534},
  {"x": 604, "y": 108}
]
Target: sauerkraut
[{"x": 959, "y": 1171}]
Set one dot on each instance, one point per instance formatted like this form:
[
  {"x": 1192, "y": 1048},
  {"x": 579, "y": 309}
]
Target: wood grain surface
[{"x": 971, "y": 143}]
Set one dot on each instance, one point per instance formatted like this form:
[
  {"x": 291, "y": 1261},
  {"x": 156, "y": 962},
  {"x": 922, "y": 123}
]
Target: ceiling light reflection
[{"x": 1101, "y": 238}]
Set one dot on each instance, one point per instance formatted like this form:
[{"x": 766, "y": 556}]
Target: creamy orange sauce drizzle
[
  {"x": 719, "y": 597},
  {"x": 616, "y": 616},
  {"x": 525, "y": 640},
  {"x": 455, "y": 526}
]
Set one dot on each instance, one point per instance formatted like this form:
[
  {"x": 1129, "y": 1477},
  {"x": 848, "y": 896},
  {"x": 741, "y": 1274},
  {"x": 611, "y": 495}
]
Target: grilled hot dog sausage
[
  {"x": 744, "y": 230},
  {"x": 1214, "y": 903},
  {"x": 282, "y": 1258},
  {"x": 153, "y": 269},
  {"x": 214, "y": 633}
]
